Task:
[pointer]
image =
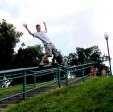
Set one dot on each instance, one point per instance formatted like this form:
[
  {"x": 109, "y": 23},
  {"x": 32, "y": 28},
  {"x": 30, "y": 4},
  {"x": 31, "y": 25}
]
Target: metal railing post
[
  {"x": 67, "y": 71},
  {"x": 58, "y": 77},
  {"x": 83, "y": 73},
  {"x": 24, "y": 85},
  {"x": 34, "y": 78}
]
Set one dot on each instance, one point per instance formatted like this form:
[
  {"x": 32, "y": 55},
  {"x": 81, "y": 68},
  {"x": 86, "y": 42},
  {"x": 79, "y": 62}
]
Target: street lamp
[{"x": 109, "y": 59}]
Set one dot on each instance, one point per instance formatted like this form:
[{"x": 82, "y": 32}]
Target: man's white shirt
[{"x": 42, "y": 36}]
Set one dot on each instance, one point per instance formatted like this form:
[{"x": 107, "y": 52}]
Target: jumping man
[{"x": 50, "y": 49}]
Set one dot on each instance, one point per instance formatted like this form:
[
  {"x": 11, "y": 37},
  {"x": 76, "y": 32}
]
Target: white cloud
[
  {"x": 14, "y": 2},
  {"x": 71, "y": 23},
  {"x": 4, "y": 14},
  {"x": 103, "y": 17},
  {"x": 103, "y": 22}
]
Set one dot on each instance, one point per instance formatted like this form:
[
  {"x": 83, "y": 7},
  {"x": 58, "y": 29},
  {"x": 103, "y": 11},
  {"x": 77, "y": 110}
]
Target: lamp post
[{"x": 109, "y": 59}]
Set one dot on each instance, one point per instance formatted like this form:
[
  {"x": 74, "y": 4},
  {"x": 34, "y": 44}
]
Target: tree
[
  {"x": 29, "y": 56},
  {"x": 81, "y": 55},
  {"x": 59, "y": 58},
  {"x": 8, "y": 39},
  {"x": 87, "y": 55},
  {"x": 73, "y": 59}
]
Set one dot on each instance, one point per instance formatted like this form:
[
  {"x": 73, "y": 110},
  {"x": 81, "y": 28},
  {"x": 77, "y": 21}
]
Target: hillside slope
[{"x": 94, "y": 95}]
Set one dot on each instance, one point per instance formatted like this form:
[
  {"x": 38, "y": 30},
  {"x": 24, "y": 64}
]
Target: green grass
[
  {"x": 10, "y": 90},
  {"x": 17, "y": 88},
  {"x": 94, "y": 95}
]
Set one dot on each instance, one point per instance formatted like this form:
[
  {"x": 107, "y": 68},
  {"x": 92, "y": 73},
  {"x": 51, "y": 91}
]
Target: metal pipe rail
[{"x": 35, "y": 72}]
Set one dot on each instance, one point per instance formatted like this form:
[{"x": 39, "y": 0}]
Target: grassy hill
[{"x": 94, "y": 95}]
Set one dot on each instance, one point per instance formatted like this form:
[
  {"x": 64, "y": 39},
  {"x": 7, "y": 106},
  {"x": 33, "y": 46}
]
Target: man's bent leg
[{"x": 44, "y": 58}]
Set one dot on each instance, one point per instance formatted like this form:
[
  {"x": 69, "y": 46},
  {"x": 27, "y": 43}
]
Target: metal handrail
[{"x": 36, "y": 73}]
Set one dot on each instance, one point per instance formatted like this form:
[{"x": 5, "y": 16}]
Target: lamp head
[{"x": 106, "y": 36}]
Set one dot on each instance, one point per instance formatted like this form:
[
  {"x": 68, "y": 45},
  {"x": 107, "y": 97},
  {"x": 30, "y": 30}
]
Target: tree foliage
[
  {"x": 29, "y": 56},
  {"x": 82, "y": 55},
  {"x": 8, "y": 39},
  {"x": 87, "y": 55}
]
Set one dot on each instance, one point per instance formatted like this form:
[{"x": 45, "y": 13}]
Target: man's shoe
[{"x": 41, "y": 64}]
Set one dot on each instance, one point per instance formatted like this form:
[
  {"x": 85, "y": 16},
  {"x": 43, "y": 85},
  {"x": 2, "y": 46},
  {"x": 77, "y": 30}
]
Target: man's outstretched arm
[
  {"x": 45, "y": 26},
  {"x": 25, "y": 26}
]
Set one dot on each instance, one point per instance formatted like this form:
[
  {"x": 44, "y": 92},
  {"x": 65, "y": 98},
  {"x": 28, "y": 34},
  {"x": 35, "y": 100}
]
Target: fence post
[
  {"x": 24, "y": 85},
  {"x": 83, "y": 73},
  {"x": 34, "y": 78},
  {"x": 58, "y": 77},
  {"x": 67, "y": 71}
]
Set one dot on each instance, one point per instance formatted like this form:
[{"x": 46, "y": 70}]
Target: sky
[{"x": 70, "y": 23}]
